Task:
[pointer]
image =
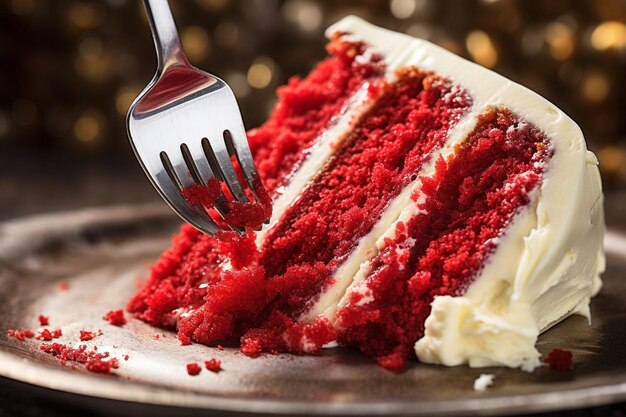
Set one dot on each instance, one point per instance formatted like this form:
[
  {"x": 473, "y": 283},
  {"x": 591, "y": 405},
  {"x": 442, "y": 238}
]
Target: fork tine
[
  {"x": 202, "y": 172},
  {"x": 217, "y": 153},
  {"x": 177, "y": 168},
  {"x": 171, "y": 193},
  {"x": 238, "y": 141}
]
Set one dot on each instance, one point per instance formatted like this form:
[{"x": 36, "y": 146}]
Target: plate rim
[
  {"x": 103, "y": 387},
  {"x": 54, "y": 378}
]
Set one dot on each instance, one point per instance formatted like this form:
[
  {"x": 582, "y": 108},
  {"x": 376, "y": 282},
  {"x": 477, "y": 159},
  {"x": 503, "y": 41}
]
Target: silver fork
[{"x": 185, "y": 127}]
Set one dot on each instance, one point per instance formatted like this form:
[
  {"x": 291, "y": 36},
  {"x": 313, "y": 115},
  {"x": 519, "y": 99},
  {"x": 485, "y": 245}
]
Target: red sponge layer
[
  {"x": 377, "y": 161},
  {"x": 305, "y": 108},
  {"x": 464, "y": 207}
]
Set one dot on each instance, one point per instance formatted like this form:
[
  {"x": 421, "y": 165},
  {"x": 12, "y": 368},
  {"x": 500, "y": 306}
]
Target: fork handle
[{"x": 166, "y": 41}]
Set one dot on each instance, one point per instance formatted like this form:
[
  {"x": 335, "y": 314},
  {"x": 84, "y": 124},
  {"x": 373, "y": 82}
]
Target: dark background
[{"x": 69, "y": 70}]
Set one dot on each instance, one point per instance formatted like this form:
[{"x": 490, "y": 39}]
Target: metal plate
[{"x": 101, "y": 252}]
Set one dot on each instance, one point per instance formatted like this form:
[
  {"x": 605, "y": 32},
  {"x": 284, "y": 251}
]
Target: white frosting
[
  {"x": 547, "y": 264},
  {"x": 318, "y": 154},
  {"x": 483, "y": 382}
]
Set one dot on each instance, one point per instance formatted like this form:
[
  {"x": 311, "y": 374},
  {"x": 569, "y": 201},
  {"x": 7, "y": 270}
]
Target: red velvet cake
[{"x": 421, "y": 205}]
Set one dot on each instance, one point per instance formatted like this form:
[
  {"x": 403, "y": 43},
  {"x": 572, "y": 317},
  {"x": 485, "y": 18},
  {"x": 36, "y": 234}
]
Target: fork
[{"x": 185, "y": 128}]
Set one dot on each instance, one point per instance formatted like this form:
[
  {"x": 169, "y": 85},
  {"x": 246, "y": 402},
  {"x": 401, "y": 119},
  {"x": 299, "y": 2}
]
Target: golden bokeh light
[
  {"x": 260, "y": 72},
  {"x": 85, "y": 15},
  {"x": 196, "y": 43},
  {"x": 612, "y": 160},
  {"x": 560, "y": 38},
  {"x": 305, "y": 13},
  {"x": 481, "y": 48},
  {"x": 609, "y": 35},
  {"x": 124, "y": 98},
  {"x": 402, "y": 9},
  {"x": 88, "y": 126},
  {"x": 93, "y": 62},
  {"x": 239, "y": 84},
  {"x": 90, "y": 48},
  {"x": 419, "y": 30},
  {"x": 595, "y": 87}
]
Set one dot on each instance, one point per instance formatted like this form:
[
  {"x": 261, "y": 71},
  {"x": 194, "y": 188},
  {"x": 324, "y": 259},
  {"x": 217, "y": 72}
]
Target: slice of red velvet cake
[{"x": 422, "y": 205}]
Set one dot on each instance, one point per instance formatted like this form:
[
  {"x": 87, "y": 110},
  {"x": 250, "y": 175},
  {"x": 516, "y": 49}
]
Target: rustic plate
[{"x": 100, "y": 253}]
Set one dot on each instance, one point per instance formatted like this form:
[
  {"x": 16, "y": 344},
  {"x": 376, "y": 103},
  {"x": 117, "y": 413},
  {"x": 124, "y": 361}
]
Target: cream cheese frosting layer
[
  {"x": 548, "y": 262},
  {"x": 318, "y": 155}
]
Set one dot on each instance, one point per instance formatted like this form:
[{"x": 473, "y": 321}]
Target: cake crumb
[
  {"x": 559, "y": 359},
  {"x": 220, "y": 347},
  {"x": 43, "y": 320},
  {"x": 213, "y": 365},
  {"x": 115, "y": 317},
  {"x": 193, "y": 369},
  {"x": 63, "y": 286},
  {"x": 394, "y": 362},
  {"x": 101, "y": 367},
  {"x": 483, "y": 382},
  {"x": 86, "y": 335},
  {"x": 48, "y": 335},
  {"x": 93, "y": 360},
  {"x": 21, "y": 335}
]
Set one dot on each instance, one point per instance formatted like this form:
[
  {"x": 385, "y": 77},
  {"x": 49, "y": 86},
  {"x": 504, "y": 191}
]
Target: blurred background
[{"x": 70, "y": 69}]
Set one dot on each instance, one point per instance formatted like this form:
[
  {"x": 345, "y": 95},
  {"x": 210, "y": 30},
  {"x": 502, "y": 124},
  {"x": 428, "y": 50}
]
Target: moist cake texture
[{"x": 421, "y": 205}]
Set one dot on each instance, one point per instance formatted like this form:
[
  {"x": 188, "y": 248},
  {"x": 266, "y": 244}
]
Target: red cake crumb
[
  {"x": 48, "y": 335},
  {"x": 213, "y": 365},
  {"x": 93, "y": 359},
  {"x": 193, "y": 369},
  {"x": 43, "y": 320},
  {"x": 559, "y": 359},
  {"x": 21, "y": 335},
  {"x": 249, "y": 215},
  {"x": 394, "y": 361},
  {"x": 126, "y": 357},
  {"x": 63, "y": 286},
  {"x": 101, "y": 367},
  {"x": 220, "y": 347},
  {"x": 86, "y": 335},
  {"x": 115, "y": 317},
  {"x": 204, "y": 195}
]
